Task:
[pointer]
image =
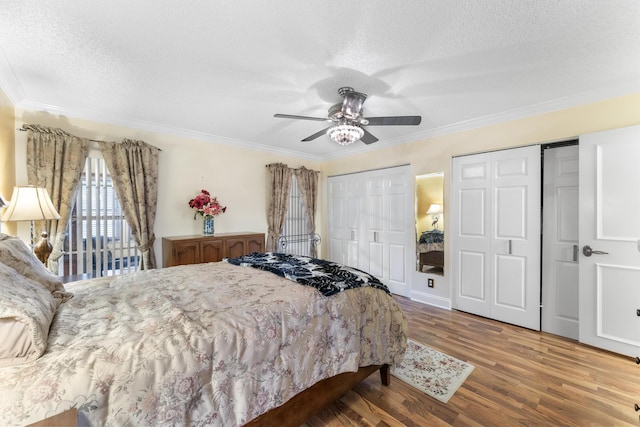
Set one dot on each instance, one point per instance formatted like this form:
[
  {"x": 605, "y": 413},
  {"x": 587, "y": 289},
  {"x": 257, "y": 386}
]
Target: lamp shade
[
  {"x": 30, "y": 204},
  {"x": 434, "y": 209}
]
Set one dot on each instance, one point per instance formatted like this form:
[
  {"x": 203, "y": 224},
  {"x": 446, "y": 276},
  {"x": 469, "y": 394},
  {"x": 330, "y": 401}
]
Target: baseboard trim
[{"x": 426, "y": 298}]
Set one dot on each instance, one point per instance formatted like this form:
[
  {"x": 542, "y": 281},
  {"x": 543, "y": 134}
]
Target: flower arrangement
[{"x": 206, "y": 205}]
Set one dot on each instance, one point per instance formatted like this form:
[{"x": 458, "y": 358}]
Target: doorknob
[{"x": 587, "y": 251}]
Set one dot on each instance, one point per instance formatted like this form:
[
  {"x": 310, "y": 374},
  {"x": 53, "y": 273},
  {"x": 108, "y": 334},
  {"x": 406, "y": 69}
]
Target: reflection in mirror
[{"x": 430, "y": 223}]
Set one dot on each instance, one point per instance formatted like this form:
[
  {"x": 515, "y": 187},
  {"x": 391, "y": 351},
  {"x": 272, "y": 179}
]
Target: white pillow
[
  {"x": 26, "y": 312},
  {"x": 15, "y": 254}
]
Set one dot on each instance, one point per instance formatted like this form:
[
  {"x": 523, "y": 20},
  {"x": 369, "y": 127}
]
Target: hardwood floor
[{"x": 521, "y": 377}]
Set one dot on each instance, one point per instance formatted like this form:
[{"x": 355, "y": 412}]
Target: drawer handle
[{"x": 637, "y": 408}]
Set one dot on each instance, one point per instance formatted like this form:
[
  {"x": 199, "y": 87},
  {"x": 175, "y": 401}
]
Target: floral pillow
[
  {"x": 15, "y": 254},
  {"x": 26, "y": 312}
]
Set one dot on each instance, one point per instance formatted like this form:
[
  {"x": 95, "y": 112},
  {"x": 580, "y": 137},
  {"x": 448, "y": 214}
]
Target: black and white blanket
[
  {"x": 431, "y": 236},
  {"x": 327, "y": 277}
]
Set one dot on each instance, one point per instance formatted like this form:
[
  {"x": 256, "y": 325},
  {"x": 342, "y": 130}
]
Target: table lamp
[{"x": 30, "y": 203}]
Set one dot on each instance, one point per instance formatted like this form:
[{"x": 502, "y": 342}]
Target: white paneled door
[
  {"x": 388, "y": 227},
  {"x": 371, "y": 224},
  {"x": 344, "y": 220},
  {"x": 496, "y": 235},
  {"x": 471, "y": 236},
  {"x": 560, "y": 250},
  {"x": 610, "y": 240}
]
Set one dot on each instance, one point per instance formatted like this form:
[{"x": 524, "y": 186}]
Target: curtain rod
[
  {"x": 24, "y": 130},
  {"x": 91, "y": 140},
  {"x": 295, "y": 169}
]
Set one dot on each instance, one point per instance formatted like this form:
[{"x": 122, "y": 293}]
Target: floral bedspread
[{"x": 206, "y": 344}]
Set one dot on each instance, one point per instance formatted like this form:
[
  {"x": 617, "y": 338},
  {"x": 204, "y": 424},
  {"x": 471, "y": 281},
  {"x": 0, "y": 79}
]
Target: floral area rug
[{"x": 433, "y": 372}]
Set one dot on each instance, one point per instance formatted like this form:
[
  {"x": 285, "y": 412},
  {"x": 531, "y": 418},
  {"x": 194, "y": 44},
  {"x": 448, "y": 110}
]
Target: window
[
  {"x": 98, "y": 239},
  {"x": 295, "y": 238}
]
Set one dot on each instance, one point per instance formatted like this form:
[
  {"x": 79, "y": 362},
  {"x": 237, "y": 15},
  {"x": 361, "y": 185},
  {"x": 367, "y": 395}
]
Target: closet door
[
  {"x": 371, "y": 224},
  {"x": 496, "y": 235},
  {"x": 471, "y": 233},
  {"x": 560, "y": 290},
  {"x": 515, "y": 247},
  {"x": 388, "y": 226},
  {"x": 344, "y": 207}
]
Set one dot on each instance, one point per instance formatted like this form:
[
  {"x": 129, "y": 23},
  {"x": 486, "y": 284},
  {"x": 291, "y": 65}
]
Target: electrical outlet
[{"x": 430, "y": 283}]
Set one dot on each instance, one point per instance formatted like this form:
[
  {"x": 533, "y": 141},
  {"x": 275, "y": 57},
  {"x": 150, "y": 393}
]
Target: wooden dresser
[{"x": 180, "y": 250}]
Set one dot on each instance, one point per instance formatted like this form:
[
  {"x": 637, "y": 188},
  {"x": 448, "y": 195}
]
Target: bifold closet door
[
  {"x": 560, "y": 250},
  {"x": 496, "y": 235},
  {"x": 345, "y": 232},
  {"x": 388, "y": 227},
  {"x": 371, "y": 221},
  {"x": 471, "y": 233}
]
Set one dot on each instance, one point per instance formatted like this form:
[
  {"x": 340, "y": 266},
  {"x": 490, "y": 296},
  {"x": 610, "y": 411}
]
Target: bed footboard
[{"x": 304, "y": 405}]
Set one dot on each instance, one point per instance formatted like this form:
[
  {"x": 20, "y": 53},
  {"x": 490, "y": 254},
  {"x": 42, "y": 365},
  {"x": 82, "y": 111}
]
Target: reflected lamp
[{"x": 435, "y": 209}]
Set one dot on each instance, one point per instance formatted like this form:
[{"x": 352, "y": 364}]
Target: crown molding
[{"x": 584, "y": 98}]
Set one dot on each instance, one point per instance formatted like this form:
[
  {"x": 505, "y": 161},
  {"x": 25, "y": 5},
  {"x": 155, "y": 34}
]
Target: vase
[{"x": 207, "y": 225}]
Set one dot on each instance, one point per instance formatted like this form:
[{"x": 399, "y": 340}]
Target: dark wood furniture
[
  {"x": 305, "y": 404},
  {"x": 432, "y": 258},
  {"x": 196, "y": 249}
]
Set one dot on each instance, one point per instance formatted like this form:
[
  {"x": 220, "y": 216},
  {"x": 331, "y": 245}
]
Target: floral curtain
[
  {"x": 55, "y": 161},
  {"x": 280, "y": 178},
  {"x": 308, "y": 185},
  {"x": 133, "y": 166}
]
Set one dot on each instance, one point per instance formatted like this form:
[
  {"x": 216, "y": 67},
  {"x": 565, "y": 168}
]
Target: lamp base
[{"x": 43, "y": 248}]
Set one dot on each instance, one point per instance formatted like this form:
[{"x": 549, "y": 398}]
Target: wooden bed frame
[{"x": 305, "y": 404}]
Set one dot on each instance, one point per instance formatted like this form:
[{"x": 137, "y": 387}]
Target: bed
[
  {"x": 205, "y": 344},
  {"x": 431, "y": 250}
]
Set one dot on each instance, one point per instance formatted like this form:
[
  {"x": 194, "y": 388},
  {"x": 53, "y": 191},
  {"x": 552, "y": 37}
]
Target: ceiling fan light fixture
[{"x": 345, "y": 134}]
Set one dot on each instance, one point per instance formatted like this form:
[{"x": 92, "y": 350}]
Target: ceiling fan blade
[
  {"x": 316, "y": 135},
  {"x": 394, "y": 121},
  {"x": 291, "y": 116},
  {"x": 367, "y": 138}
]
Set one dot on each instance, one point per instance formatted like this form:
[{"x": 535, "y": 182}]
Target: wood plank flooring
[{"x": 521, "y": 377}]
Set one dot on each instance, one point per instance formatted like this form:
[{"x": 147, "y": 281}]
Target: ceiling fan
[{"x": 348, "y": 122}]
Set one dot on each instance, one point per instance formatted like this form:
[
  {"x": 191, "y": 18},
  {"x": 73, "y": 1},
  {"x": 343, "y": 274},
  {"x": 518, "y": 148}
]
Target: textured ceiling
[{"x": 219, "y": 70}]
